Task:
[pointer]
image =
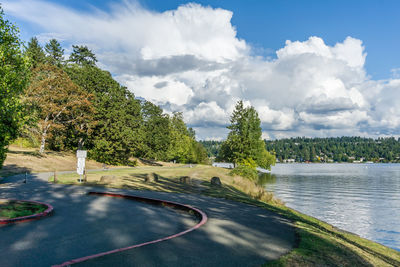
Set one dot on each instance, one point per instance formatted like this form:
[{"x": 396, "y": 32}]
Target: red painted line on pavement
[
  {"x": 29, "y": 217},
  {"x": 188, "y": 208}
]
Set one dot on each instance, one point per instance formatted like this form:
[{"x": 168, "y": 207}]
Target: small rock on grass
[
  {"x": 151, "y": 177},
  {"x": 107, "y": 178},
  {"x": 216, "y": 181},
  {"x": 185, "y": 180}
]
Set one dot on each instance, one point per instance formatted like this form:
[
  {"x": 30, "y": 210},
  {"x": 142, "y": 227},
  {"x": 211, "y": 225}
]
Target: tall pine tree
[
  {"x": 82, "y": 55},
  {"x": 35, "y": 53},
  {"x": 55, "y": 53},
  {"x": 244, "y": 144}
]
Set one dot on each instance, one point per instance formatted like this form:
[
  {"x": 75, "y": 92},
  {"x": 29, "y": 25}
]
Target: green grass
[
  {"x": 14, "y": 209},
  {"x": 319, "y": 243},
  {"x": 26, "y": 143}
]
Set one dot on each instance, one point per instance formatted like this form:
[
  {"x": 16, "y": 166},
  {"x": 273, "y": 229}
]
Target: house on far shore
[
  {"x": 225, "y": 165},
  {"x": 289, "y": 161}
]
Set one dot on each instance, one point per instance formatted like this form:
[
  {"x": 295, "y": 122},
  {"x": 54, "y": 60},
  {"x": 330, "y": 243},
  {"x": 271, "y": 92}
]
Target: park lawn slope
[
  {"x": 169, "y": 180},
  {"x": 25, "y": 159},
  {"x": 319, "y": 243},
  {"x": 21, "y": 160}
]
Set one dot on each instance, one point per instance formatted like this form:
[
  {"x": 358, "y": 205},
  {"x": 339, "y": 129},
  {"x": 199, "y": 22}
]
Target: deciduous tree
[
  {"x": 58, "y": 101},
  {"x": 13, "y": 80}
]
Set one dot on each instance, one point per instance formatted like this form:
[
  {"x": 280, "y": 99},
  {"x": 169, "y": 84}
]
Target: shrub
[{"x": 246, "y": 168}]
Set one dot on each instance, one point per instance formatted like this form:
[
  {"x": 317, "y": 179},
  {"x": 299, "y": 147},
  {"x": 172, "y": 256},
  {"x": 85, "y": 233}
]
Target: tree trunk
[
  {"x": 44, "y": 135},
  {"x": 43, "y": 143},
  {"x": 81, "y": 143}
]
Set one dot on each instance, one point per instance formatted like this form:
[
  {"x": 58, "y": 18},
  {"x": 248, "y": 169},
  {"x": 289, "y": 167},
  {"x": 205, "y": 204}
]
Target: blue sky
[
  {"x": 311, "y": 68},
  {"x": 268, "y": 24}
]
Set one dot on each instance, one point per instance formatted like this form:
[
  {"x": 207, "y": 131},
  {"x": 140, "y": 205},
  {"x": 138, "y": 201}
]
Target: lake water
[{"x": 360, "y": 198}]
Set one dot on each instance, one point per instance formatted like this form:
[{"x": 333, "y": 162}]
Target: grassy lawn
[
  {"x": 235, "y": 187},
  {"x": 10, "y": 209},
  {"x": 22, "y": 160},
  {"x": 319, "y": 243}
]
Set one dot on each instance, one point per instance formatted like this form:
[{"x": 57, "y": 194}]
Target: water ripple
[{"x": 360, "y": 198}]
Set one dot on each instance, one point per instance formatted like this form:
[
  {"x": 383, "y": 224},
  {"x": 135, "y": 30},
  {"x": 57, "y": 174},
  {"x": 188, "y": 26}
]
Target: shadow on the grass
[{"x": 13, "y": 169}]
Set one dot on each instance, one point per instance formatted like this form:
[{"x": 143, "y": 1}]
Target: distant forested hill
[
  {"x": 212, "y": 147},
  {"x": 338, "y": 149},
  {"x": 335, "y": 149}
]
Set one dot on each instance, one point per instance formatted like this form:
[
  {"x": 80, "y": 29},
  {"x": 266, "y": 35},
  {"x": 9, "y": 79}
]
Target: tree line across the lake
[
  {"x": 68, "y": 104},
  {"x": 333, "y": 149}
]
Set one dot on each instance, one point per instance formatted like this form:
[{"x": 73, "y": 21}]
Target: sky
[{"x": 310, "y": 68}]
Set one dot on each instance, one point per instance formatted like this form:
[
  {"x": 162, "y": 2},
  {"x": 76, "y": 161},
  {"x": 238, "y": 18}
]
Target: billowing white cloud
[
  {"x": 162, "y": 90},
  {"x": 191, "y": 60},
  {"x": 189, "y": 30},
  {"x": 350, "y": 51}
]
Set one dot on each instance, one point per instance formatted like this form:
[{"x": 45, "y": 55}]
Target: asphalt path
[{"x": 236, "y": 234}]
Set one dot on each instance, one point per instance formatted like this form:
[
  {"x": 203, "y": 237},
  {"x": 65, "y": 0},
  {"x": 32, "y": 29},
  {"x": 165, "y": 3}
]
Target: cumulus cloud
[
  {"x": 191, "y": 60},
  {"x": 159, "y": 89}
]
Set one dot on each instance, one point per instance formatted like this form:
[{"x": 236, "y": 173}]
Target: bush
[
  {"x": 13, "y": 80},
  {"x": 246, "y": 168},
  {"x": 26, "y": 142}
]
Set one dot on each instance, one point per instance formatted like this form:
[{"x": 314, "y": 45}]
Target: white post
[{"x": 80, "y": 168}]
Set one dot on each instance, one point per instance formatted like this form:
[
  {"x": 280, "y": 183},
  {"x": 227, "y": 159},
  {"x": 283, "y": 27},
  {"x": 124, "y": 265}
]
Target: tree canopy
[
  {"x": 80, "y": 106},
  {"x": 127, "y": 127},
  {"x": 336, "y": 149},
  {"x": 55, "y": 53},
  {"x": 183, "y": 146},
  {"x": 13, "y": 80},
  {"x": 56, "y": 99},
  {"x": 156, "y": 132},
  {"x": 244, "y": 145},
  {"x": 35, "y": 53},
  {"x": 82, "y": 55},
  {"x": 116, "y": 135}
]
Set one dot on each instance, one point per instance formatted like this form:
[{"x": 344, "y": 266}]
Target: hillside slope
[{"x": 20, "y": 160}]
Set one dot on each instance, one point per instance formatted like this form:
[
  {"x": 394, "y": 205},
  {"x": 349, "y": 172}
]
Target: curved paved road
[{"x": 236, "y": 234}]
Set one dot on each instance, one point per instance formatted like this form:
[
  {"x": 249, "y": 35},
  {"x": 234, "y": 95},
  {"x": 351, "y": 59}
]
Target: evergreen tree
[
  {"x": 82, "y": 55},
  {"x": 155, "y": 131},
  {"x": 116, "y": 136},
  {"x": 183, "y": 146},
  {"x": 180, "y": 140},
  {"x": 337, "y": 149},
  {"x": 55, "y": 53},
  {"x": 35, "y": 53},
  {"x": 244, "y": 144},
  {"x": 211, "y": 147},
  {"x": 13, "y": 80},
  {"x": 117, "y": 133}
]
